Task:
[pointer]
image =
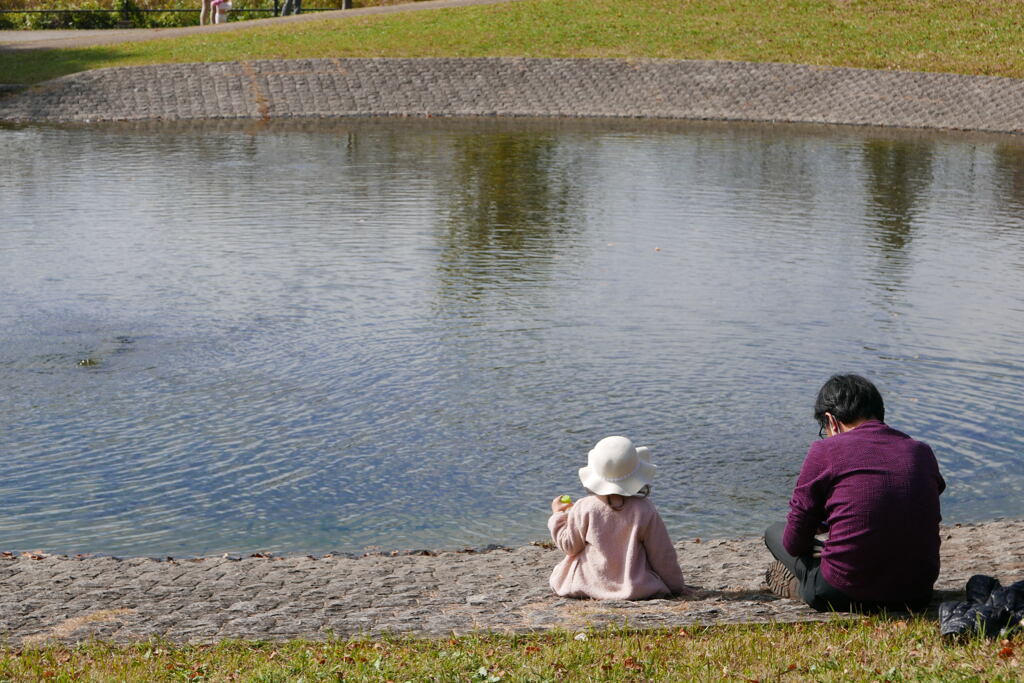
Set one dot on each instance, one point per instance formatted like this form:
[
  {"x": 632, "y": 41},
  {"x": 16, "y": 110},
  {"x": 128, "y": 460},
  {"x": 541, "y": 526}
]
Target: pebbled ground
[{"x": 45, "y": 597}]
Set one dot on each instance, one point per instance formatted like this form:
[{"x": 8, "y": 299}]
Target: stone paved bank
[
  {"x": 58, "y": 597},
  {"x": 526, "y": 87}
]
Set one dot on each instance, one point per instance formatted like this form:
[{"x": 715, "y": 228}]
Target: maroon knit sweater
[{"x": 877, "y": 490}]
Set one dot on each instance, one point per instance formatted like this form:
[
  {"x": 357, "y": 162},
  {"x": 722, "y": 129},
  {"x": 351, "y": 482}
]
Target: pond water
[{"x": 304, "y": 338}]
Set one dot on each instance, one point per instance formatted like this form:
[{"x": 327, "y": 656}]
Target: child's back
[{"x": 622, "y": 553}]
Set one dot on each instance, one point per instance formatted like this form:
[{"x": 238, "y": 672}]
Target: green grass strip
[
  {"x": 977, "y": 37},
  {"x": 872, "y": 649}
]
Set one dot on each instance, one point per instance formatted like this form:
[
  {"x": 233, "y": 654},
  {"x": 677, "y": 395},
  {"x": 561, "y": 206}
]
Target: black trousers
[{"x": 819, "y": 593}]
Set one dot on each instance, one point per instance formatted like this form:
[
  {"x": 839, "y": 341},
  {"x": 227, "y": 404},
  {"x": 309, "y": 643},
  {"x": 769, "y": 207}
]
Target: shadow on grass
[{"x": 27, "y": 66}]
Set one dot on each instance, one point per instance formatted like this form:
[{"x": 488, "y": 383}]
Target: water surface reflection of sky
[{"x": 312, "y": 337}]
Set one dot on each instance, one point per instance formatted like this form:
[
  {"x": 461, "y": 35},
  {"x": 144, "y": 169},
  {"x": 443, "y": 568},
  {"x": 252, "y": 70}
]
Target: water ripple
[{"x": 363, "y": 335}]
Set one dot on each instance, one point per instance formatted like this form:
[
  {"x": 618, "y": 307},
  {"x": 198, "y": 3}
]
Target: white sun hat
[{"x": 615, "y": 465}]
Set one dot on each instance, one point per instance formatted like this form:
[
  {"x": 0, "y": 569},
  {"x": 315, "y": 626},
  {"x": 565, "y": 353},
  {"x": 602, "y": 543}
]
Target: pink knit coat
[{"x": 611, "y": 554}]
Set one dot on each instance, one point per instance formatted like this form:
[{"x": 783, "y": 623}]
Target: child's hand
[{"x": 558, "y": 506}]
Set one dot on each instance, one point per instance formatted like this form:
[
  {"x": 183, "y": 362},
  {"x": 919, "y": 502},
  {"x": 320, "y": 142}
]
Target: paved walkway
[
  {"x": 21, "y": 40},
  {"x": 67, "y": 598},
  {"x": 525, "y": 87}
]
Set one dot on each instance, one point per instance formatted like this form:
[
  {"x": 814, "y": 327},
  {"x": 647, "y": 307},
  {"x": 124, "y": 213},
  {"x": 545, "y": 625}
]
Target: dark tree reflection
[
  {"x": 511, "y": 205},
  {"x": 1009, "y": 162},
  {"x": 898, "y": 173}
]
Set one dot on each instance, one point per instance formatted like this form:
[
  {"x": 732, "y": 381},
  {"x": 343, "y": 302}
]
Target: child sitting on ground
[{"x": 616, "y": 545}]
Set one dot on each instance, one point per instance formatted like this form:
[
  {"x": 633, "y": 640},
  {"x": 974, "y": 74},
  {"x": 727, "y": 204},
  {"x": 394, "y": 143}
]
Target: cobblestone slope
[{"x": 525, "y": 87}]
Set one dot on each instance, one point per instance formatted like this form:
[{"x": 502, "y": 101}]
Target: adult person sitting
[{"x": 875, "y": 491}]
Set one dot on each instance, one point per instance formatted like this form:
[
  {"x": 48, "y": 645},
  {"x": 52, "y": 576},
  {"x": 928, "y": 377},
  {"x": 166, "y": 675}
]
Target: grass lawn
[
  {"x": 874, "y": 649},
  {"x": 973, "y": 37}
]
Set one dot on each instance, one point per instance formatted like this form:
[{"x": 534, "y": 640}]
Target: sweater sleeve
[
  {"x": 661, "y": 554},
  {"x": 807, "y": 506},
  {"x": 568, "y": 530}
]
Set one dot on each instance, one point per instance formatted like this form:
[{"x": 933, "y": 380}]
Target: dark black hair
[{"x": 849, "y": 398}]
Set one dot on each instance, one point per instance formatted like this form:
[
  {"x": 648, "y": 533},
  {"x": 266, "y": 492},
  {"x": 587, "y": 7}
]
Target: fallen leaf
[{"x": 631, "y": 663}]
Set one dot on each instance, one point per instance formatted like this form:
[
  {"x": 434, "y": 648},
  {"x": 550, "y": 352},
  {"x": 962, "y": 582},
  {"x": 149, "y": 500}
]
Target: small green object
[{"x": 565, "y": 499}]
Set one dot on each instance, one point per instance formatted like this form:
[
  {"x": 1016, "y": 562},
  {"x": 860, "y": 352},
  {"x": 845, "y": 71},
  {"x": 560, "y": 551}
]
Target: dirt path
[{"x": 22, "y": 40}]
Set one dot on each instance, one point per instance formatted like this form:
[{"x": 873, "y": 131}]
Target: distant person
[
  {"x": 291, "y": 7},
  {"x": 615, "y": 543},
  {"x": 875, "y": 492},
  {"x": 220, "y": 11},
  {"x": 205, "y": 12}
]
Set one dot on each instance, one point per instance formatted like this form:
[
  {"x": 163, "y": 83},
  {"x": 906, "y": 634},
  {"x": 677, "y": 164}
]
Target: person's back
[
  {"x": 615, "y": 543},
  {"x": 619, "y": 553},
  {"x": 882, "y": 510},
  {"x": 875, "y": 491}
]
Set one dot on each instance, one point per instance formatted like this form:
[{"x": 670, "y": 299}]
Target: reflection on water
[
  {"x": 898, "y": 174},
  {"x": 510, "y": 197},
  {"x": 311, "y": 337},
  {"x": 1009, "y": 171}
]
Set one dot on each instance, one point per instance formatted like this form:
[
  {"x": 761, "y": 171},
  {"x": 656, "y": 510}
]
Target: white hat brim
[{"x": 629, "y": 486}]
